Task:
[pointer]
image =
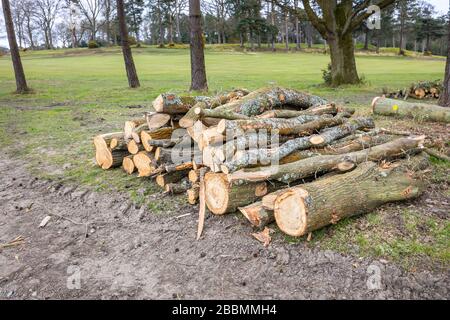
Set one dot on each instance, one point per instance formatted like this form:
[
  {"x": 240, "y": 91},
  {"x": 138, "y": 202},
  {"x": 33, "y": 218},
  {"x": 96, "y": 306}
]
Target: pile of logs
[
  {"x": 274, "y": 154},
  {"x": 419, "y": 90}
]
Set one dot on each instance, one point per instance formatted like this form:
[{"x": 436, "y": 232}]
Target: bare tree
[
  {"x": 133, "y": 80},
  {"x": 21, "y": 82},
  {"x": 45, "y": 13},
  {"x": 91, "y": 10},
  {"x": 198, "y": 69},
  {"x": 30, "y": 27}
]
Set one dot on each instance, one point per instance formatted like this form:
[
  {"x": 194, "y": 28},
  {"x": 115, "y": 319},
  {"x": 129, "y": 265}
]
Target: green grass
[{"x": 81, "y": 93}]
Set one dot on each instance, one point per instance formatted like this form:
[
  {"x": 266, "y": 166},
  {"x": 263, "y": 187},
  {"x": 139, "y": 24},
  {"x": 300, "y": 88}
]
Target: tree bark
[
  {"x": 420, "y": 111},
  {"x": 445, "y": 95},
  {"x": 21, "y": 82},
  {"x": 198, "y": 69},
  {"x": 133, "y": 80},
  {"x": 309, "y": 207}
]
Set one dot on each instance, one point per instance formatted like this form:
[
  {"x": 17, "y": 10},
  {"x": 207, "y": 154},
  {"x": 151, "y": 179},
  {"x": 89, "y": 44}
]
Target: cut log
[
  {"x": 130, "y": 126},
  {"x": 317, "y": 110},
  {"x": 201, "y": 112},
  {"x": 179, "y": 167},
  {"x": 332, "y": 134},
  {"x": 193, "y": 194},
  {"x": 194, "y": 176},
  {"x": 128, "y": 165},
  {"x": 306, "y": 208},
  {"x": 134, "y": 148},
  {"x": 210, "y": 136},
  {"x": 178, "y": 188},
  {"x": 265, "y": 99},
  {"x": 283, "y": 126},
  {"x": 157, "y": 120},
  {"x": 274, "y": 155},
  {"x": 105, "y": 157},
  {"x": 173, "y": 104},
  {"x": 158, "y": 134},
  {"x": 224, "y": 197},
  {"x": 258, "y": 216},
  {"x": 174, "y": 177},
  {"x": 144, "y": 163},
  {"x": 294, "y": 171},
  {"x": 195, "y": 132},
  {"x": 419, "y": 111},
  {"x": 163, "y": 143},
  {"x": 191, "y": 117}
]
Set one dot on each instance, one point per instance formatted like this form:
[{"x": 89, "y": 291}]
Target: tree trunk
[
  {"x": 133, "y": 80},
  {"x": 309, "y": 207},
  {"x": 445, "y": 95},
  {"x": 198, "y": 70},
  {"x": 343, "y": 65},
  {"x": 298, "y": 40},
  {"x": 366, "y": 39},
  {"x": 420, "y": 111},
  {"x": 21, "y": 82}
]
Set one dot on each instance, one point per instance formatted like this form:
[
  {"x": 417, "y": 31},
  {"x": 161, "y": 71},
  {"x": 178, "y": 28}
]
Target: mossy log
[
  {"x": 178, "y": 188},
  {"x": 317, "y": 110},
  {"x": 191, "y": 116},
  {"x": 309, "y": 207},
  {"x": 265, "y": 99},
  {"x": 282, "y": 126},
  {"x": 274, "y": 155},
  {"x": 173, "y": 177},
  {"x": 419, "y": 111},
  {"x": 224, "y": 197},
  {"x": 170, "y": 103},
  {"x": 294, "y": 171},
  {"x": 104, "y": 156}
]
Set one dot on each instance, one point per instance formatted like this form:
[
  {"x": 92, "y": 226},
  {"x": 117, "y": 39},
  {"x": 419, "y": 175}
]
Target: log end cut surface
[
  {"x": 290, "y": 213},
  {"x": 216, "y": 193}
]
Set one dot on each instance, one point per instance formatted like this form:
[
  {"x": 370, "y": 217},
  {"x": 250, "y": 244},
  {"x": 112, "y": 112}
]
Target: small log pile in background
[
  {"x": 219, "y": 151},
  {"x": 419, "y": 90}
]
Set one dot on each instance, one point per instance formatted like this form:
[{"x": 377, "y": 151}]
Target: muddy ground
[{"x": 130, "y": 253}]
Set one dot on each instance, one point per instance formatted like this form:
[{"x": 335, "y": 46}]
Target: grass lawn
[{"x": 80, "y": 93}]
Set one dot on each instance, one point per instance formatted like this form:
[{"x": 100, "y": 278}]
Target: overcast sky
[{"x": 442, "y": 6}]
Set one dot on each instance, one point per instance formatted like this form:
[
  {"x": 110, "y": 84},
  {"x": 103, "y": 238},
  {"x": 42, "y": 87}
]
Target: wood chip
[
  {"x": 44, "y": 221},
  {"x": 263, "y": 236}
]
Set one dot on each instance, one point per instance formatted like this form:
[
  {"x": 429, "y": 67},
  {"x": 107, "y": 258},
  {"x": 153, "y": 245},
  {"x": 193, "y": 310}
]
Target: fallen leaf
[{"x": 263, "y": 236}]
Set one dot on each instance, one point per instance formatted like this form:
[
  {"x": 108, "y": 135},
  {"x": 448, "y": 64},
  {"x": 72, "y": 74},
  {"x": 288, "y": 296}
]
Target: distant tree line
[{"x": 257, "y": 24}]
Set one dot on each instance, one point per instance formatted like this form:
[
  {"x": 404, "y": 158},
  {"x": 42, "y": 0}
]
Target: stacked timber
[
  {"x": 420, "y": 90},
  {"x": 274, "y": 154}
]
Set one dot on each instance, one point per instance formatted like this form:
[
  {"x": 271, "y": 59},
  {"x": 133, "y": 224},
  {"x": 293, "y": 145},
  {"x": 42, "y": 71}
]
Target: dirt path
[{"x": 132, "y": 253}]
